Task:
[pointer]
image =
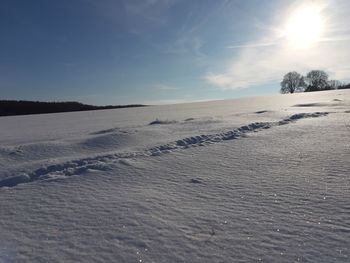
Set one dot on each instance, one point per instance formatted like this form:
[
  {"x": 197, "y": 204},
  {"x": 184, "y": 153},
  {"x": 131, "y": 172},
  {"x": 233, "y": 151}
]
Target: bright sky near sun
[
  {"x": 305, "y": 25},
  {"x": 166, "y": 51}
]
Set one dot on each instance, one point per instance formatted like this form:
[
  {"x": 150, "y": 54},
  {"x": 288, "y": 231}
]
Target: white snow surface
[{"x": 263, "y": 179}]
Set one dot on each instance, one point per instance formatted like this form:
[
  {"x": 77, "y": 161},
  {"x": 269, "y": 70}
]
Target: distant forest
[{"x": 20, "y": 107}]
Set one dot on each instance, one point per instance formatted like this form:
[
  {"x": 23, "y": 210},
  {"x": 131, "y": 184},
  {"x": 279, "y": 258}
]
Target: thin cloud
[
  {"x": 189, "y": 38},
  {"x": 335, "y": 39},
  {"x": 253, "y": 45},
  {"x": 256, "y": 66},
  {"x": 149, "y": 10},
  {"x": 268, "y": 59},
  {"x": 164, "y": 87},
  {"x": 220, "y": 80}
]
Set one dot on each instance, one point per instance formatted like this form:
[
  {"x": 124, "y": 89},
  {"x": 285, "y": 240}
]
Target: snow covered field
[{"x": 263, "y": 179}]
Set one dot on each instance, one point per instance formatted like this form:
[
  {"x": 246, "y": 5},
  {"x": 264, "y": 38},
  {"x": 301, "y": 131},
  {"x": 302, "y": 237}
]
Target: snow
[{"x": 262, "y": 179}]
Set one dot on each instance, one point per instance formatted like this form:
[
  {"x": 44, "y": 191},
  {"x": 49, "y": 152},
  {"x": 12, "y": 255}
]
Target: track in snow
[{"x": 101, "y": 163}]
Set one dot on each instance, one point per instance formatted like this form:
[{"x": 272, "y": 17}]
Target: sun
[{"x": 304, "y": 27}]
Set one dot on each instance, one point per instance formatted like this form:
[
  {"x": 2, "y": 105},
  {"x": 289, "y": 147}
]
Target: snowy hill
[{"x": 262, "y": 179}]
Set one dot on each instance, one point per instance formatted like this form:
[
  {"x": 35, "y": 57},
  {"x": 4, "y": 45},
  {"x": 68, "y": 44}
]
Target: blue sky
[{"x": 160, "y": 51}]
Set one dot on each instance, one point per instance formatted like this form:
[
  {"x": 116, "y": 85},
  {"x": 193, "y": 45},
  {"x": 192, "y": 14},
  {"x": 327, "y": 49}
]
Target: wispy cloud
[
  {"x": 252, "y": 45},
  {"x": 220, "y": 80},
  {"x": 269, "y": 58},
  {"x": 163, "y": 87},
  {"x": 189, "y": 39},
  {"x": 146, "y": 7},
  {"x": 143, "y": 13},
  {"x": 335, "y": 39},
  {"x": 148, "y": 18},
  {"x": 255, "y": 67},
  {"x": 184, "y": 44}
]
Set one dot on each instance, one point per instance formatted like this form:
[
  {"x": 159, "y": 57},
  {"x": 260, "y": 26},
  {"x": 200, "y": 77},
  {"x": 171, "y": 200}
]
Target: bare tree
[
  {"x": 316, "y": 80},
  {"x": 292, "y": 82}
]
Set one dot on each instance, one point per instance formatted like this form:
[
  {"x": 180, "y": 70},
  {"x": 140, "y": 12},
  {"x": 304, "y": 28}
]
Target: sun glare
[{"x": 304, "y": 27}]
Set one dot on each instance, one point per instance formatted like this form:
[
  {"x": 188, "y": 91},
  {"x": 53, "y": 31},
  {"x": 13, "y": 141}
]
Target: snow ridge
[{"x": 102, "y": 163}]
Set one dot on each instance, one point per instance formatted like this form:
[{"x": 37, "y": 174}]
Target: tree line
[
  {"x": 20, "y": 107},
  {"x": 315, "y": 80}
]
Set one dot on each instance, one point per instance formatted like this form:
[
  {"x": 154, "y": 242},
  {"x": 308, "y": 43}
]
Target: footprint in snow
[
  {"x": 261, "y": 111},
  {"x": 196, "y": 181}
]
